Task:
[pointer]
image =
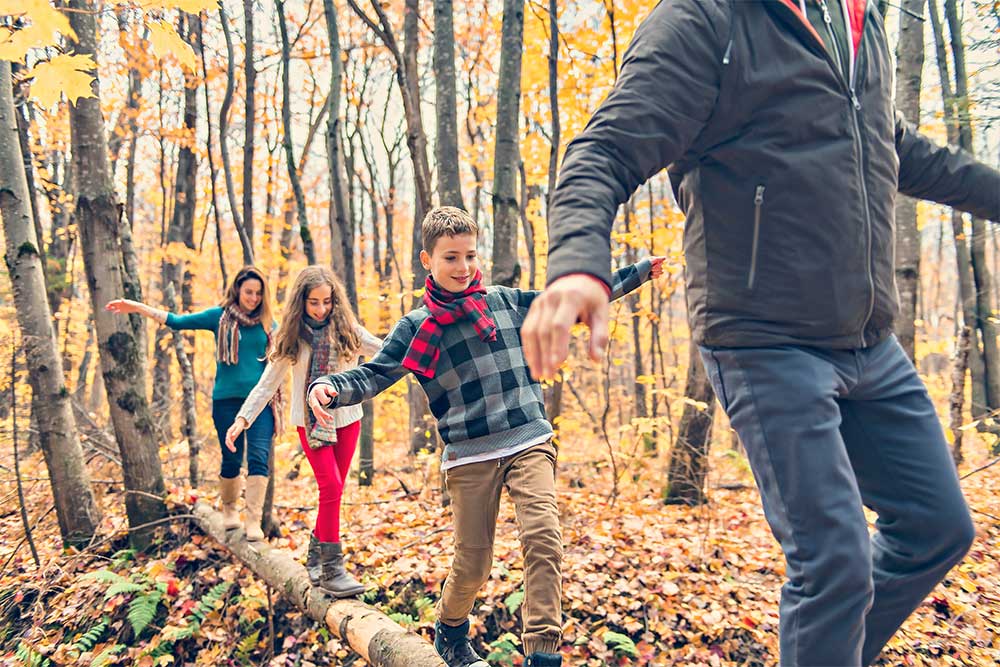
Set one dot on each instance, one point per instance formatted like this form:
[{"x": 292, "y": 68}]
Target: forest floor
[{"x": 644, "y": 583}]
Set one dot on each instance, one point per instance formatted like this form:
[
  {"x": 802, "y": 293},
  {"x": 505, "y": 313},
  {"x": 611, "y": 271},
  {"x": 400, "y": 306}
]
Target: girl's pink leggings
[{"x": 330, "y": 466}]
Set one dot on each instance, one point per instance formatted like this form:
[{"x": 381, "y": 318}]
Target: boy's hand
[
  {"x": 657, "y": 266},
  {"x": 234, "y": 431},
  {"x": 319, "y": 398},
  {"x": 545, "y": 333}
]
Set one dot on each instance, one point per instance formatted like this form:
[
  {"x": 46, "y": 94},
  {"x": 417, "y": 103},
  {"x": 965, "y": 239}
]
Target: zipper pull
[
  {"x": 758, "y": 197},
  {"x": 729, "y": 50},
  {"x": 854, "y": 100},
  {"x": 826, "y": 12}
]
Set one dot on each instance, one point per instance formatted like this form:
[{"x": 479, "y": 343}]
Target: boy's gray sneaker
[
  {"x": 452, "y": 644},
  {"x": 544, "y": 660}
]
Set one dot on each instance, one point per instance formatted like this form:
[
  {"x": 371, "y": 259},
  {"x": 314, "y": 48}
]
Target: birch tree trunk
[
  {"x": 553, "y": 397},
  {"x": 76, "y": 510},
  {"x": 123, "y": 361},
  {"x": 506, "y": 269},
  {"x": 248, "y": 126},
  {"x": 446, "y": 146},
  {"x": 341, "y": 222},
  {"x": 286, "y": 124},
  {"x": 909, "y": 74},
  {"x": 246, "y": 240},
  {"x": 977, "y": 244}
]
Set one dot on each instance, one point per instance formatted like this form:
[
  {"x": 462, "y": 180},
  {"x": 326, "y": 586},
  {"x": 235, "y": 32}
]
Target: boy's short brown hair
[{"x": 445, "y": 221}]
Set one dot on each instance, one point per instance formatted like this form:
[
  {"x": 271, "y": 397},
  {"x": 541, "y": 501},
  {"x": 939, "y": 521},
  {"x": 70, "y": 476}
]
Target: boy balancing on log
[{"x": 464, "y": 347}]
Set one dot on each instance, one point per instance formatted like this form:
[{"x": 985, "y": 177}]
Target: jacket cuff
[{"x": 598, "y": 279}]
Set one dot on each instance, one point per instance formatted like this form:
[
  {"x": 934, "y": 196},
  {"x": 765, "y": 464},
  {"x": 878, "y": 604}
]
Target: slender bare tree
[{"x": 76, "y": 510}]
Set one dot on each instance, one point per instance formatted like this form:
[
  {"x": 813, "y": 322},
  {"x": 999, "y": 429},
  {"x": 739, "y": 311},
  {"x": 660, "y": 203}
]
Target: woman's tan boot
[
  {"x": 256, "y": 488},
  {"x": 229, "y": 493}
]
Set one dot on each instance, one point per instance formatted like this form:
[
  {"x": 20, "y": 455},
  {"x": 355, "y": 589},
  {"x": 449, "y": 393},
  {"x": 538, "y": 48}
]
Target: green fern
[
  {"x": 142, "y": 609},
  {"x": 246, "y": 646},
  {"x": 104, "y": 576},
  {"x": 122, "y": 556},
  {"x": 29, "y": 657},
  {"x": 103, "y": 658},
  {"x": 90, "y": 638},
  {"x": 120, "y": 587},
  {"x": 211, "y": 599}
]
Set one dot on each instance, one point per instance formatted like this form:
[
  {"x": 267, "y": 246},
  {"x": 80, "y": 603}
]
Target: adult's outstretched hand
[{"x": 545, "y": 333}]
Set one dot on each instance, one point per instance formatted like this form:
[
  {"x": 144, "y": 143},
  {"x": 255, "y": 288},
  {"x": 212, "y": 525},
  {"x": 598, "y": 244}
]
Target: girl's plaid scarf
[
  {"x": 448, "y": 308},
  {"x": 318, "y": 338}
]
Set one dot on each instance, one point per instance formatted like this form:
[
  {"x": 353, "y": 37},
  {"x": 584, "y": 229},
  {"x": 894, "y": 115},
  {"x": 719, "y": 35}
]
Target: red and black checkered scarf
[{"x": 448, "y": 308}]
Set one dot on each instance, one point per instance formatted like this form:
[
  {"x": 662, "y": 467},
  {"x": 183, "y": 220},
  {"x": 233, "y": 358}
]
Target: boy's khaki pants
[{"x": 529, "y": 478}]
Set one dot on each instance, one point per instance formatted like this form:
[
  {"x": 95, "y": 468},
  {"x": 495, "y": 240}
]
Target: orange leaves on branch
[
  {"x": 69, "y": 74},
  {"x": 189, "y": 6},
  {"x": 167, "y": 43},
  {"x": 45, "y": 21}
]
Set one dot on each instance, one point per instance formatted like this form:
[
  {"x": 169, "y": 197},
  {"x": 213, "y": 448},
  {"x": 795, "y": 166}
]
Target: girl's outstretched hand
[
  {"x": 234, "y": 431},
  {"x": 657, "y": 266},
  {"x": 319, "y": 398}
]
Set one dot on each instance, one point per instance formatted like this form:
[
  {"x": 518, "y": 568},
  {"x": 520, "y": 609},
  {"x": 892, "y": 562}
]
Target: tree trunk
[
  {"x": 967, "y": 299},
  {"x": 527, "y": 193},
  {"x": 341, "y": 222},
  {"x": 981, "y": 274},
  {"x": 633, "y": 301},
  {"x": 189, "y": 418},
  {"x": 957, "y": 398},
  {"x": 553, "y": 402},
  {"x": 286, "y": 124},
  {"x": 212, "y": 170},
  {"x": 446, "y": 146},
  {"x": 378, "y": 639},
  {"x": 506, "y": 269},
  {"x": 76, "y": 510},
  {"x": 407, "y": 78},
  {"x": 248, "y": 125},
  {"x": 689, "y": 455},
  {"x": 246, "y": 241},
  {"x": 123, "y": 361},
  {"x": 177, "y": 278},
  {"x": 909, "y": 74}
]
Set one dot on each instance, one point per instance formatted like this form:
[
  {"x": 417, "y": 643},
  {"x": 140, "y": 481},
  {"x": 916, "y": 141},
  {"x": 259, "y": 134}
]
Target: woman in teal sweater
[{"x": 241, "y": 325}]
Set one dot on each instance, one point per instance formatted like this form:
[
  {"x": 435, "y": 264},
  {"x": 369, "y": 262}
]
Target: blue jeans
[
  {"x": 828, "y": 432},
  {"x": 257, "y": 438}
]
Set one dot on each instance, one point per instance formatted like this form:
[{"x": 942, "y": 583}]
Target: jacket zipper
[
  {"x": 856, "y": 128},
  {"x": 758, "y": 202}
]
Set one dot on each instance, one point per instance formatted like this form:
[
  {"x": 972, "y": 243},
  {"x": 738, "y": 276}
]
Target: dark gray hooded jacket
[{"x": 786, "y": 170}]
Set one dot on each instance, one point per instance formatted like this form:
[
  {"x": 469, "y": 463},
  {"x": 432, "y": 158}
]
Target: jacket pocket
[{"x": 758, "y": 204}]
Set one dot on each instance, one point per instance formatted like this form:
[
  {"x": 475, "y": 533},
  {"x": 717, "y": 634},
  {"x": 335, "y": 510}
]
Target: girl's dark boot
[
  {"x": 313, "y": 566},
  {"x": 334, "y": 578}
]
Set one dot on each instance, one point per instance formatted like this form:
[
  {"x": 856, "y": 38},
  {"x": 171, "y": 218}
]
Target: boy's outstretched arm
[
  {"x": 632, "y": 277},
  {"x": 367, "y": 380},
  {"x": 623, "y": 281}
]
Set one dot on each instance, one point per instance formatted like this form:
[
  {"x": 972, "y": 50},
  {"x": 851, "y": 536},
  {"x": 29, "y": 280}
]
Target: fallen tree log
[{"x": 376, "y": 637}]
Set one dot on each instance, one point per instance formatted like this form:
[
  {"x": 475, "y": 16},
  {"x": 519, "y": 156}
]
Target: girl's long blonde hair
[{"x": 293, "y": 330}]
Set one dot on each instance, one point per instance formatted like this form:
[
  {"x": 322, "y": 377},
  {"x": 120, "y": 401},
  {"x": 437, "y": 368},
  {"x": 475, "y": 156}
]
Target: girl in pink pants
[{"x": 319, "y": 334}]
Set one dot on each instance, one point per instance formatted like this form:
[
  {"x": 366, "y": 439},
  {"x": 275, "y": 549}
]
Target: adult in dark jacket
[{"x": 776, "y": 122}]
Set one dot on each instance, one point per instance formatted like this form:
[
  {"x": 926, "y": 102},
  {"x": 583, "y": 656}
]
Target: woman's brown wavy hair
[{"x": 232, "y": 297}]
